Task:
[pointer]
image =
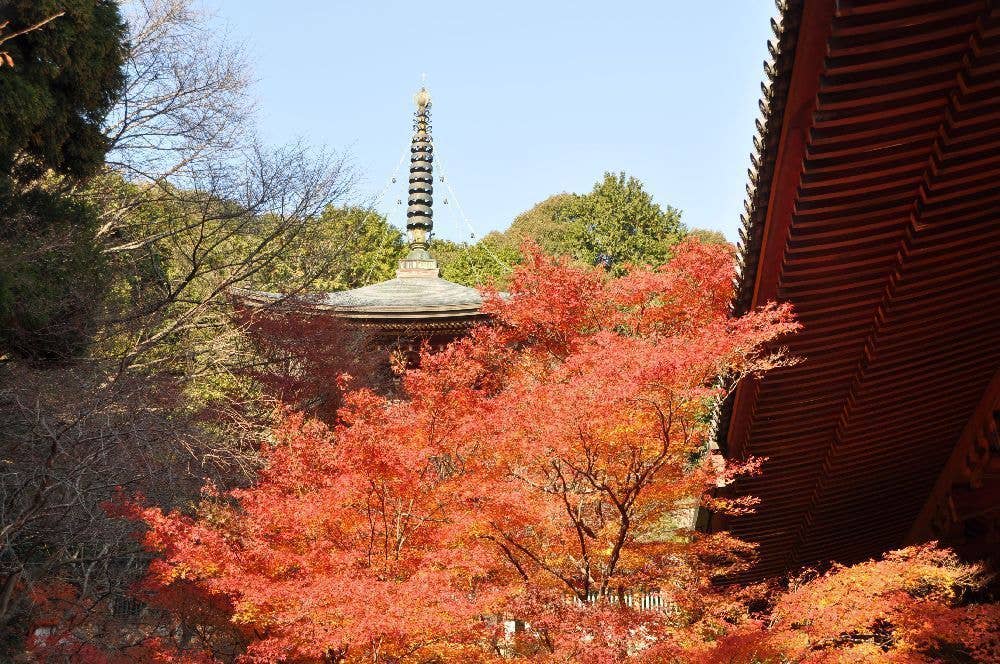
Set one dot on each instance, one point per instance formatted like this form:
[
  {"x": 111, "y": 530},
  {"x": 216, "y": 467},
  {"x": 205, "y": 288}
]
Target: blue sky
[{"x": 530, "y": 98}]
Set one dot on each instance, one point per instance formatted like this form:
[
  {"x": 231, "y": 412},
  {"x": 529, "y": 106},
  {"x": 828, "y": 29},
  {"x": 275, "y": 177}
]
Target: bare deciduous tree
[{"x": 186, "y": 101}]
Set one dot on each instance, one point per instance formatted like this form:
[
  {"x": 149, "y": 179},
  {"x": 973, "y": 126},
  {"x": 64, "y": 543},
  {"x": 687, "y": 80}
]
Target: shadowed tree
[
  {"x": 6, "y": 34},
  {"x": 68, "y": 76},
  {"x": 134, "y": 371}
]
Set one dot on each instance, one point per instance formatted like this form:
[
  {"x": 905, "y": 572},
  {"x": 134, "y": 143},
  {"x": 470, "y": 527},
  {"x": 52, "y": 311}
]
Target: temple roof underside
[{"x": 874, "y": 208}]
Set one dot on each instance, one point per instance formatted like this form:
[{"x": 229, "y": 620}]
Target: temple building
[
  {"x": 416, "y": 306},
  {"x": 874, "y": 208}
]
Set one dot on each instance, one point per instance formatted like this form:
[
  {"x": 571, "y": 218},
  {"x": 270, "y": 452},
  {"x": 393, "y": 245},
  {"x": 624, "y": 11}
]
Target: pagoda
[{"x": 415, "y": 307}]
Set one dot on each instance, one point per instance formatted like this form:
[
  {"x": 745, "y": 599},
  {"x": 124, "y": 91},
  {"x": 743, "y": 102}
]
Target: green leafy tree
[
  {"x": 446, "y": 252},
  {"x": 616, "y": 224},
  {"x": 487, "y": 262},
  {"x": 553, "y": 224},
  {"x": 708, "y": 236},
  {"x": 6, "y": 34},
  {"x": 619, "y": 224},
  {"x": 49, "y": 273},
  {"x": 344, "y": 247}
]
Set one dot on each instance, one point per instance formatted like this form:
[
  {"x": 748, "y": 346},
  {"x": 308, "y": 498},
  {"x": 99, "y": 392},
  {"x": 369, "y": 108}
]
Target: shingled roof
[{"x": 408, "y": 296}]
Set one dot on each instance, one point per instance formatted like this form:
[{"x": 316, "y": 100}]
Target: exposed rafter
[{"x": 875, "y": 209}]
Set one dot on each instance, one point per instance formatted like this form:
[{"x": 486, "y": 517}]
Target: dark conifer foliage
[{"x": 66, "y": 78}]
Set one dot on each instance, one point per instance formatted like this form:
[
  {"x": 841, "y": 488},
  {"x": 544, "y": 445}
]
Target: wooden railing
[{"x": 647, "y": 600}]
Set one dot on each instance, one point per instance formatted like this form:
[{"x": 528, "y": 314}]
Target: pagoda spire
[{"x": 419, "y": 210}]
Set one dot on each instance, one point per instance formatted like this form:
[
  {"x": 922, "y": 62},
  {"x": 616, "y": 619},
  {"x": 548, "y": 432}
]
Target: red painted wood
[{"x": 883, "y": 229}]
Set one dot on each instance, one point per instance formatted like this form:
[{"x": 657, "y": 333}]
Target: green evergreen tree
[{"x": 65, "y": 79}]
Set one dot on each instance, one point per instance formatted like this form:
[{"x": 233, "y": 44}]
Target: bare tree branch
[{"x": 5, "y": 58}]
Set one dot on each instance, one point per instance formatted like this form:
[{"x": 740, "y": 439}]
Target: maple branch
[
  {"x": 7, "y": 592},
  {"x": 385, "y": 523},
  {"x": 32, "y": 28},
  {"x": 371, "y": 524},
  {"x": 666, "y": 424},
  {"x": 623, "y": 530},
  {"x": 509, "y": 555},
  {"x": 538, "y": 561},
  {"x": 598, "y": 484},
  {"x": 439, "y": 507},
  {"x": 584, "y": 553}
]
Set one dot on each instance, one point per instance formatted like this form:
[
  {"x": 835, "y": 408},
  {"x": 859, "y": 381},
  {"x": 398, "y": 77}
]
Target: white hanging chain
[
  {"x": 447, "y": 182},
  {"x": 378, "y": 199},
  {"x": 395, "y": 174}
]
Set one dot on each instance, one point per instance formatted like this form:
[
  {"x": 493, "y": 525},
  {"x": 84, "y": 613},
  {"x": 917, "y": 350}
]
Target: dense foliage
[
  {"x": 50, "y": 267},
  {"x": 527, "y": 502},
  {"x": 133, "y": 198},
  {"x": 53, "y": 102},
  {"x": 616, "y": 225},
  {"x": 620, "y": 225},
  {"x": 913, "y": 605},
  {"x": 489, "y": 261},
  {"x": 345, "y": 247},
  {"x": 525, "y": 494},
  {"x": 520, "y": 479}
]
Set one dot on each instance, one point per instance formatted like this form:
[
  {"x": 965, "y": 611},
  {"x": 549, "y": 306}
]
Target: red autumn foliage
[
  {"x": 78, "y": 630},
  {"x": 910, "y": 606},
  {"x": 542, "y": 470},
  {"x": 307, "y": 361}
]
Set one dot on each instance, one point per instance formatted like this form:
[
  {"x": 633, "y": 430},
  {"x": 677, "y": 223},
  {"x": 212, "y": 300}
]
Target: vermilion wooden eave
[
  {"x": 940, "y": 191},
  {"x": 810, "y": 51}
]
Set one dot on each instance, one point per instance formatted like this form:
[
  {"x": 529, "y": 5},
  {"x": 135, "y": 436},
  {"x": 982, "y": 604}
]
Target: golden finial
[{"x": 422, "y": 99}]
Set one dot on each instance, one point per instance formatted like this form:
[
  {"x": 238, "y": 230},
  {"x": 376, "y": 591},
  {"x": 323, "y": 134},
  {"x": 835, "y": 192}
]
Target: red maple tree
[
  {"x": 539, "y": 470},
  {"x": 300, "y": 358},
  {"x": 529, "y": 498}
]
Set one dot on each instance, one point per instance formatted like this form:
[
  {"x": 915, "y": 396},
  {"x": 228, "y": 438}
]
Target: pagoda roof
[
  {"x": 413, "y": 294},
  {"x": 418, "y": 293}
]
